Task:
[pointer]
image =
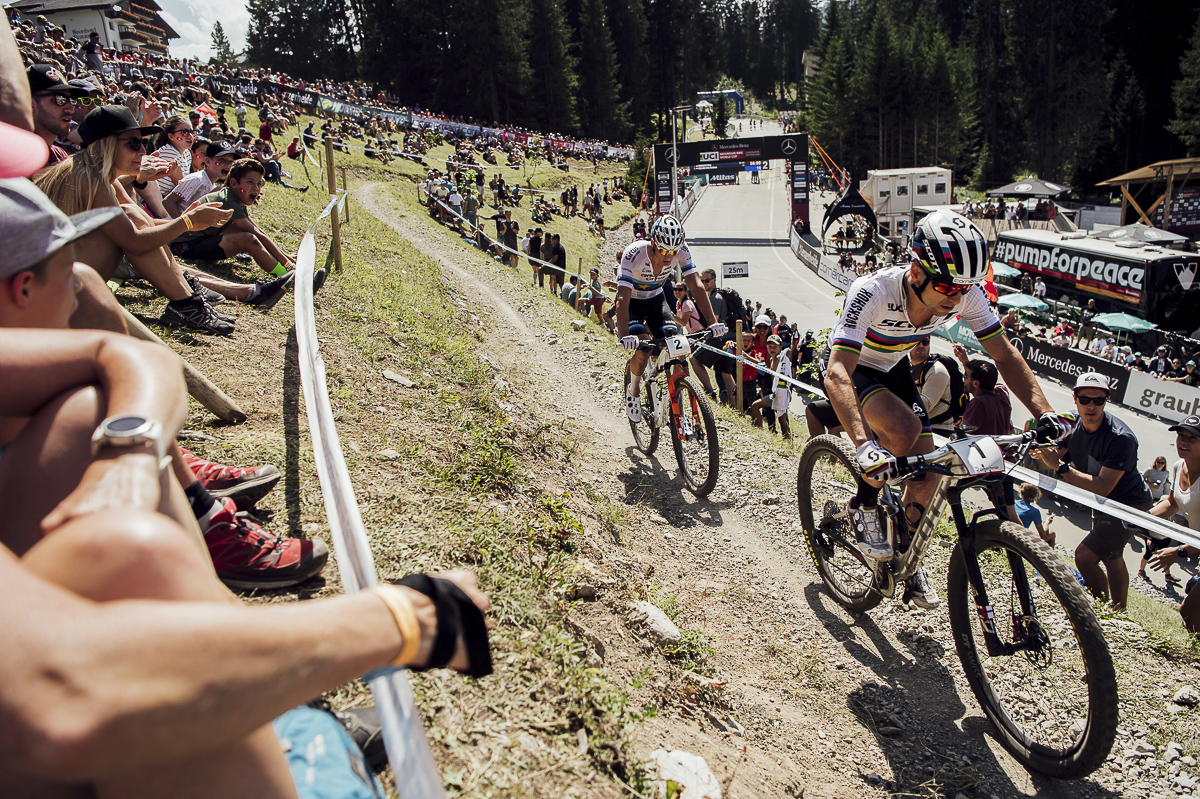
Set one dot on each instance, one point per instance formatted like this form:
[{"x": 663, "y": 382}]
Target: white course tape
[
  {"x": 412, "y": 761},
  {"x": 1131, "y": 516},
  {"x": 800, "y": 384},
  {"x": 450, "y": 212}
]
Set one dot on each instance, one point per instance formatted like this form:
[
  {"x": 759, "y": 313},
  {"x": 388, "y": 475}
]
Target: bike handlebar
[{"x": 654, "y": 343}]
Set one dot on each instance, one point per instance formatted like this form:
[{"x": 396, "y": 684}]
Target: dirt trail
[{"x": 808, "y": 685}]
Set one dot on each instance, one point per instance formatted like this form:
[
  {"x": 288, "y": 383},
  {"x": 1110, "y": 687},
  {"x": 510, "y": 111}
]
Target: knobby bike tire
[
  {"x": 842, "y": 567},
  {"x": 690, "y": 394},
  {"x": 645, "y": 434},
  {"x": 1077, "y": 647}
]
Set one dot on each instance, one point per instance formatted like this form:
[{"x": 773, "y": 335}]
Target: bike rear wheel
[
  {"x": 694, "y": 436},
  {"x": 645, "y": 433},
  {"x": 827, "y": 480},
  {"x": 1054, "y": 703}
]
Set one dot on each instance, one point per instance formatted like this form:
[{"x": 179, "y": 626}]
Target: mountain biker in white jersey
[
  {"x": 870, "y": 384},
  {"x": 645, "y": 266}
]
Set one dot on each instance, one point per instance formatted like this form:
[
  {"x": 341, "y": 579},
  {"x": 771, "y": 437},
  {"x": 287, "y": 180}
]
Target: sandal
[
  {"x": 1172, "y": 579},
  {"x": 1142, "y": 574}
]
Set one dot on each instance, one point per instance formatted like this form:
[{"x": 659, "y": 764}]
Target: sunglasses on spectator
[
  {"x": 87, "y": 102},
  {"x": 183, "y": 131},
  {"x": 137, "y": 145},
  {"x": 60, "y": 99},
  {"x": 707, "y": 279},
  {"x": 1097, "y": 401}
]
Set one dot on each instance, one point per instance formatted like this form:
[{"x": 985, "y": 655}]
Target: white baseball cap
[{"x": 1093, "y": 380}]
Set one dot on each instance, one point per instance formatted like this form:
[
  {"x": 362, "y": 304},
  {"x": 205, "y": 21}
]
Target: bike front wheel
[
  {"x": 827, "y": 480},
  {"x": 1054, "y": 700},
  {"x": 645, "y": 433},
  {"x": 695, "y": 437}
]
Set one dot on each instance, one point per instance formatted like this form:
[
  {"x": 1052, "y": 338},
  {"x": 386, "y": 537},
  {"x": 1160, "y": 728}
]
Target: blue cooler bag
[{"x": 324, "y": 760}]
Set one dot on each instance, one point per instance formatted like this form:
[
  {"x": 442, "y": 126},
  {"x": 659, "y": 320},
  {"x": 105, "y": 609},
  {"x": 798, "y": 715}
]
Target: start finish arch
[{"x": 726, "y": 156}]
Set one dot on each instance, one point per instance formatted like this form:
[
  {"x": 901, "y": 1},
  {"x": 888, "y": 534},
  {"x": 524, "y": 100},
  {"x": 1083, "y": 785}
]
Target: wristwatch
[
  {"x": 130, "y": 430},
  {"x": 1062, "y": 469}
]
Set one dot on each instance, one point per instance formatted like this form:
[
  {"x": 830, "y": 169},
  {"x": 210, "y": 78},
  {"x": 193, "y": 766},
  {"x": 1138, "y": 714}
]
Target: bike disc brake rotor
[{"x": 1029, "y": 630}]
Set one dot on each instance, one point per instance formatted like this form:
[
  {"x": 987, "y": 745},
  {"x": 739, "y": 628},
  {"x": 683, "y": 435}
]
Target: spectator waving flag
[{"x": 206, "y": 110}]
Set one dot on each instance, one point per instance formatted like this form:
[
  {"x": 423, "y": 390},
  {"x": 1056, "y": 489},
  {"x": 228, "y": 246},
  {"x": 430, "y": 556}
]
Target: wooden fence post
[
  {"x": 337, "y": 227},
  {"x": 199, "y": 386},
  {"x": 738, "y": 366}
]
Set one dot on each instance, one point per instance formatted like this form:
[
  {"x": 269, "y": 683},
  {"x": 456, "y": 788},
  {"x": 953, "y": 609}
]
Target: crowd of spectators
[
  {"x": 131, "y": 668},
  {"x": 1018, "y": 211}
]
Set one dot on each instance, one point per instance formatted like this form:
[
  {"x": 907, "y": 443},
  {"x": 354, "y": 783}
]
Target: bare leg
[
  {"x": 815, "y": 428},
  {"x": 899, "y": 432},
  {"x": 702, "y": 375},
  {"x": 1190, "y": 611},
  {"x": 232, "y": 291},
  {"x": 234, "y": 243},
  {"x": 98, "y": 308},
  {"x": 1088, "y": 563},
  {"x": 123, "y": 554},
  {"x": 45, "y": 462},
  {"x": 1118, "y": 581}
]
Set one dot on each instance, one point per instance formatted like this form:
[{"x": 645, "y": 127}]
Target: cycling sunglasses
[
  {"x": 1097, "y": 401},
  {"x": 949, "y": 289}
]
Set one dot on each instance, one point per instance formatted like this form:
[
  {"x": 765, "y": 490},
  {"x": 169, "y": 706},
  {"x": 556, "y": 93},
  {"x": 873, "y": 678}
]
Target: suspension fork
[
  {"x": 673, "y": 390},
  {"x": 970, "y": 556}
]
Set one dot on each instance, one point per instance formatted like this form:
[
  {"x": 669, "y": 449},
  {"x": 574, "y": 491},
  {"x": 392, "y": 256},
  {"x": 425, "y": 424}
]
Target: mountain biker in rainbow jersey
[
  {"x": 869, "y": 382},
  {"x": 645, "y": 266}
]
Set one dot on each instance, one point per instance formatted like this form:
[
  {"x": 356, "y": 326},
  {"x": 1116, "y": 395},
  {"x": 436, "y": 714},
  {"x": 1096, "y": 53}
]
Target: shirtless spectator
[{"x": 39, "y": 278}]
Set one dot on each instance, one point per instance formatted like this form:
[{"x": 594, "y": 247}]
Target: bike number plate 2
[
  {"x": 979, "y": 455},
  {"x": 678, "y": 346}
]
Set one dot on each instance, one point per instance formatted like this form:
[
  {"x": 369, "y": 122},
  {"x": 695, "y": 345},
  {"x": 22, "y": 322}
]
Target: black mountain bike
[
  {"x": 1026, "y": 632},
  {"x": 693, "y": 428}
]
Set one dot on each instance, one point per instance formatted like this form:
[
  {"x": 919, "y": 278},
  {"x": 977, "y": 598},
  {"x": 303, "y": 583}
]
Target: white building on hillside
[{"x": 122, "y": 24}]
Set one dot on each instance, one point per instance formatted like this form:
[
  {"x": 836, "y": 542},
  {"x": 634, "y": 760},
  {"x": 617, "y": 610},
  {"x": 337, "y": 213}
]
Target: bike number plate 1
[
  {"x": 980, "y": 455},
  {"x": 678, "y": 346}
]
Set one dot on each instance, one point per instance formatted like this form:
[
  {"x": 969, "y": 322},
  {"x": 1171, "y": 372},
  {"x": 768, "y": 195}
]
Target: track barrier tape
[
  {"x": 1131, "y": 516},
  {"x": 413, "y": 766},
  {"x": 479, "y": 231}
]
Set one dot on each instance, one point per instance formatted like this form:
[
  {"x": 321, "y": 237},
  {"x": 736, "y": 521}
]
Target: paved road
[{"x": 749, "y": 222}]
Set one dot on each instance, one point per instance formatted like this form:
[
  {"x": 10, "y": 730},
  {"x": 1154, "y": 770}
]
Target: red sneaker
[
  {"x": 244, "y": 485},
  {"x": 247, "y": 556}
]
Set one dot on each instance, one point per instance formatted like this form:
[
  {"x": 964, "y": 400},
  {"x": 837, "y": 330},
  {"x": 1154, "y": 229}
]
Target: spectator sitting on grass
[
  {"x": 570, "y": 290},
  {"x": 217, "y": 161},
  {"x": 238, "y": 233},
  {"x": 1029, "y": 514},
  {"x": 90, "y": 179},
  {"x": 39, "y": 279}
]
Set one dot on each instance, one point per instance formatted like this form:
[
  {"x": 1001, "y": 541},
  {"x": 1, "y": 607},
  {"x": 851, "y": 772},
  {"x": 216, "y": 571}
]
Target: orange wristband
[{"x": 406, "y": 621}]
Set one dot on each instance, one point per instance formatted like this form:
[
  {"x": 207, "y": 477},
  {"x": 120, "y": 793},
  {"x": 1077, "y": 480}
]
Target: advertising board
[
  {"x": 1124, "y": 278},
  {"x": 723, "y": 178},
  {"x": 1161, "y": 398},
  {"x": 1065, "y": 364}
]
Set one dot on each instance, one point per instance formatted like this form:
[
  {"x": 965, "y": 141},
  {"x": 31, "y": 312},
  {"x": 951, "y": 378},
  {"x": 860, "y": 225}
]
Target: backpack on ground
[{"x": 958, "y": 390}]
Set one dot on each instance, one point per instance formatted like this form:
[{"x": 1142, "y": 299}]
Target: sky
[{"x": 193, "y": 20}]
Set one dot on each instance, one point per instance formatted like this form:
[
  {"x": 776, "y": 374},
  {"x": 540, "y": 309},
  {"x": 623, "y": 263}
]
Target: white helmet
[
  {"x": 950, "y": 248},
  {"x": 667, "y": 233}
]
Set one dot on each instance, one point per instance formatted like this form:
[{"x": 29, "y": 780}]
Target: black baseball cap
[
  {"x": 1190, "y": 424},
  {"x": 47, "y": 78},
  {"x": 109, "y": 120},
  {"x": 218, "y": 149}
]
